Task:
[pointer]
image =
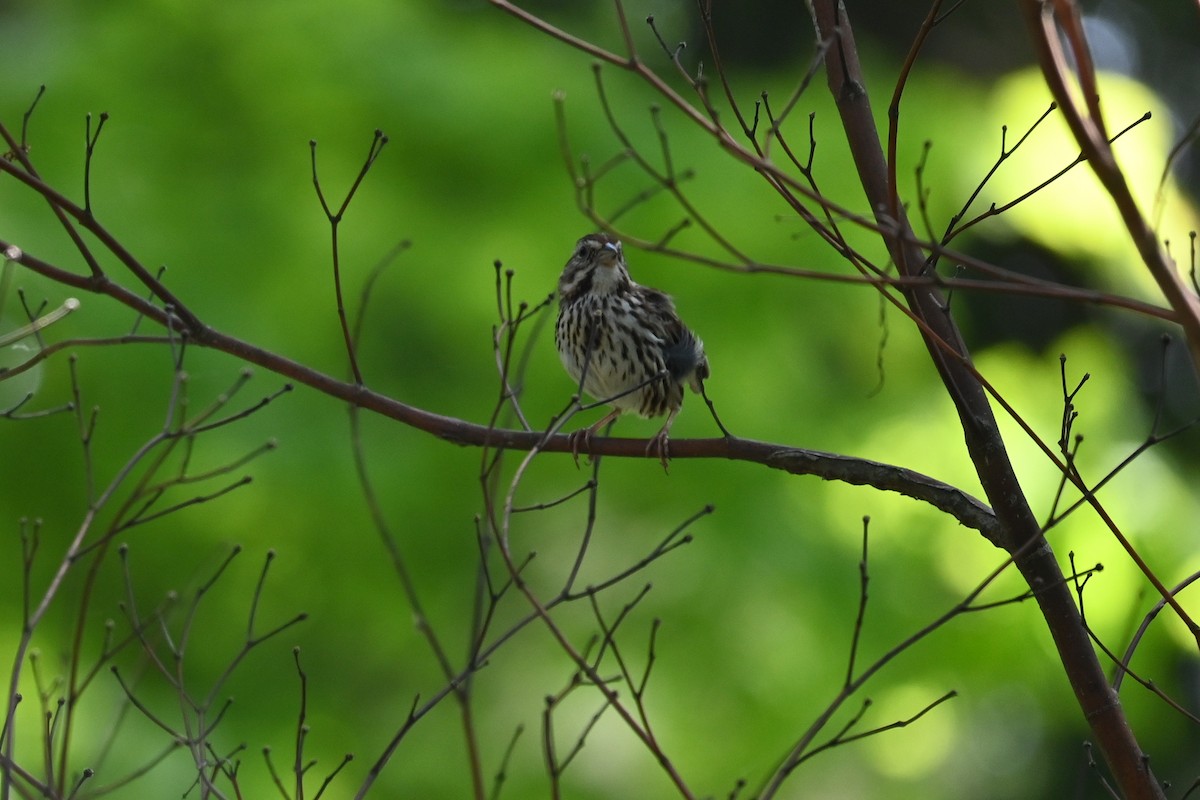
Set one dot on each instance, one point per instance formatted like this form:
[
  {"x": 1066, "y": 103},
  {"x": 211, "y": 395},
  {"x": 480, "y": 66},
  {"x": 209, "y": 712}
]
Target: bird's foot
[
  {"x": 658, "y": 446},
  {"x": 580, "y": 439}
]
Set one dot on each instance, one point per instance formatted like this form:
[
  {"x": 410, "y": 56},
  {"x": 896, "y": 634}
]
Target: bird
[{"x": 623, "y": 343}]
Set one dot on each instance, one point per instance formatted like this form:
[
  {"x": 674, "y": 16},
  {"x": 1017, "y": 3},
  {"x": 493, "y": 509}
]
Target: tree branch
[
  {"x": 862, "y": 472},
  {"x": 1022, "y": 535},
  {"x": 1050, "y": 22}
]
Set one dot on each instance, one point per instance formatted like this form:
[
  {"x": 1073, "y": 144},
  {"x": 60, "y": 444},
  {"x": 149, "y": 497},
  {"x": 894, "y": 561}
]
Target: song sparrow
[{"x": 623, "y": 342}]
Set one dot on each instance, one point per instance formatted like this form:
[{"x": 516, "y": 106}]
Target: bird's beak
[{"x": 610, "y": 254}]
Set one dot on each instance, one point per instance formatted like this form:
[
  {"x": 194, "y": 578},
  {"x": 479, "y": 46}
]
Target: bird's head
[{"x": 596, "y": 266}]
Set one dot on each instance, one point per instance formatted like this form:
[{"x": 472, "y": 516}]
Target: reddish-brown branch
[
  {"x": 829, "y": 466},
  {"x": 1045, "y": 21},
  {"x": 1021, "y": 533}
]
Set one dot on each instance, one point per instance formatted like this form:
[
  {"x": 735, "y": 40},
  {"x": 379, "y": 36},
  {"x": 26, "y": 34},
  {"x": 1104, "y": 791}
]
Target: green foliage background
[{"x": 203, "y": 166}]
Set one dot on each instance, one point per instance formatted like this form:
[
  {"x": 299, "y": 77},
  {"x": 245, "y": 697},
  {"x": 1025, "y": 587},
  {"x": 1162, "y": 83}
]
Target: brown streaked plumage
[{"x": 623, "y": 342}]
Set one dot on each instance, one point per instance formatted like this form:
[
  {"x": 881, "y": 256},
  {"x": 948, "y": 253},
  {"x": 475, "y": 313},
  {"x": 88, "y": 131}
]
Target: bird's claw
[
  {"x": 659, "y": 446},
  {"x": 577, "y": 439}
]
